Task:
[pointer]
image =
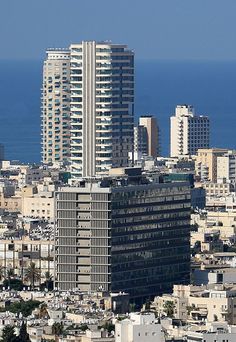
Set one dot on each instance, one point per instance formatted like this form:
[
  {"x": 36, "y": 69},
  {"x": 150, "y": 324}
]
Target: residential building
[
  {"x": 226, "y": 167},
  {"x": 56, "y": 107},
  {"x": 102, "y": 99},
  {"x": 206, "y": 163},
  {"x": 217, "y": 333},
  {"x": 139, "y": 327},
  {"x": 188, "y": 132},
  {"x": 213, "y": 303},
  {"x": 125, "y": 233},
  {"x": 147, "y": 137},
  {"x": 17, "y": 254},
  {"x": 220, "y": 189}
]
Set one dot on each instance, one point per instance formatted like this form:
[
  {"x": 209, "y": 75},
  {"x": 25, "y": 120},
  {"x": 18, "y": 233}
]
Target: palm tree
[
  {"x": 169, "y": 307},
  {"x": 32, "y": 274},
  {"x": 9, "y": 275},
  {"x": 57, "y": 329},
  {"x": 48, "y": 277}
]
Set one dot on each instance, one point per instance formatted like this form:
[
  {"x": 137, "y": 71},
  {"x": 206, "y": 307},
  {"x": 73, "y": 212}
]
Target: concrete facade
[
  {"x": 56, "y": 107},
  {"x": 188, "y": 132},
  {"x": 102, "y": 99},
  {"x": 206, "y": 163},
  {"x": 109, "y": 235}
]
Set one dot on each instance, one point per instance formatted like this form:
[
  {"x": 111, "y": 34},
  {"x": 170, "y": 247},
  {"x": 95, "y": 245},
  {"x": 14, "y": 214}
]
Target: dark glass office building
[{"x": 127, "y": 233}]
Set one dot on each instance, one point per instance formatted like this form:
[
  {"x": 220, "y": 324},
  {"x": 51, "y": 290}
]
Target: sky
[{"x": 154, "y": 29}]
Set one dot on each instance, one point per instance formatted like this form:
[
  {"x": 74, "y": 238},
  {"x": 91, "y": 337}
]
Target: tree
[
  {"x": 43, "y": 312},
  {"x": 57, "y": 328},
  {"x": 8, "y": 334},
  {"x": 16, "y": 284},
  {"x": 23, "y": 335},
  {"x": 169, "y": 307},
  {"x": 10, "y": 274},
  {"x": 32, "y": 274},
  {"x": 109, "y": 327},
  {"x": 25, "y": 308}
]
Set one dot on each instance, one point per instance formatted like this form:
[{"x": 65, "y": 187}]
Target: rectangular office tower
[
  {"x": 127, "y": 233},
  {"x": 55, "y": 121},
  {"x": 102, "y": 98},
  {"x": 188, "y": 132}
]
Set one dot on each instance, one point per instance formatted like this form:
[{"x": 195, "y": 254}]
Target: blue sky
[{"x": 155, "y": 29}]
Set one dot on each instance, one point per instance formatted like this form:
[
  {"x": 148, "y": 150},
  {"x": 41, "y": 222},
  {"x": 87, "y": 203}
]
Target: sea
[{"x": 210, "y": 86}]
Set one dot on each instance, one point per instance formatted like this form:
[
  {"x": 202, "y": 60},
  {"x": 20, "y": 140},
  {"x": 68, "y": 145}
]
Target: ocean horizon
[{"x": 210, "y": 86}]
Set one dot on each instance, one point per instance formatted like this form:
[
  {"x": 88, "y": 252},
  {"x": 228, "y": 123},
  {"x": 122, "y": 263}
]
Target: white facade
[
  {"x": 188, "y": 132},
  {"x": 226, "y": 167},
  {"x": 139, "y": 328},
  {"x": 102, "y": 97}
]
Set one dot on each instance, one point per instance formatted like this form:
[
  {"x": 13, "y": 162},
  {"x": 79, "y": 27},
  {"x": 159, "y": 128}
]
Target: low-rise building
[{"x": 139, "y": 327}]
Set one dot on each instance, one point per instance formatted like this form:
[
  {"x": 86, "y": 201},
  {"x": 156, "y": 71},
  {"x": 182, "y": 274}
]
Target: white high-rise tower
[{"x": 102, "y": 98}]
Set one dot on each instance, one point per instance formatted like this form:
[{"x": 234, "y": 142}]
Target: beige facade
[
  {"x": 226, "y": 167},
  {"x": 13, "y": 203},
  {"x": 153, "y": 139},
  {"x": 217, "y": 303},
  {"x": 218, "y": 189},
  {"x": 40, "y": 206},
  {"x": 206, "y": 163},
  {"x": 18, "y": 254},
  {"x": 56, "y": 107},
  {"x": 179, "y": 305}
]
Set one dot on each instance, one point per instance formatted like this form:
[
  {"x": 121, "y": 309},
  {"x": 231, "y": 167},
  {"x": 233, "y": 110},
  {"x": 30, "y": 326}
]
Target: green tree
[
  {"x": 108, "y": 326},
  {"x": 10, "y": 275},
  {"x": 16, "y": 284},
  {"x": 25, "y": 308},
  {"x": 57, "y": 328},
  {"x": 8, "y": 334},
  {"x": 169, "y": 307},
  {"x": 83, "y": 327},
  {"x": 23, "y": 335},
  {"x": 32, "y": 274}
]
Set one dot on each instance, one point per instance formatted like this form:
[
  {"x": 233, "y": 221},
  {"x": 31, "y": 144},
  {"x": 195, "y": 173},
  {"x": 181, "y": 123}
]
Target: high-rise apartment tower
[
  {"x": 188, "y": 132},
  {"x": 55, "y": 121},
  {"x": 88, "y": 100},
  {"x": 102, "y": 101}
]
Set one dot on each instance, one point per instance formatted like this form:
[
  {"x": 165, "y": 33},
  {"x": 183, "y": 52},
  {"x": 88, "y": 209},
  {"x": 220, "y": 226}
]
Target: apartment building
[
  {"x": 188, "y": 132},
  {"x": 17, "y": 255},
  {"x": 206, "y": 163},
  {"x": 226, "y": 167},
  {"x": 125, "y": 233},
  {"x": 215, "y": 303},
  {"x": 55, "y": 120},
  {"x": 139, "y": 327},
  {"x": 102, "y": 99}
]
